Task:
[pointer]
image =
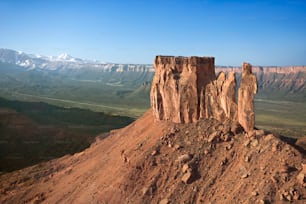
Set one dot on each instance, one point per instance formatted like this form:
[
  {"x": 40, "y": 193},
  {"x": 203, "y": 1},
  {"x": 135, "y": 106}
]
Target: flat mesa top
[{"x": 161, "y": 59}]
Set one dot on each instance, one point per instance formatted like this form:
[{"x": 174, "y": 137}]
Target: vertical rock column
[
  {"x": 220, "y": 98},
  {"x": 247, "y": 89},
  {"x": 177, "y": 87}
]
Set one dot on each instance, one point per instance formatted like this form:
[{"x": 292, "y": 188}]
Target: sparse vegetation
[{"x": 282, "y": 117}]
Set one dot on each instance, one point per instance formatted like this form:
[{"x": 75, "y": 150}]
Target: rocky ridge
[{"x": 212, "y": 162}]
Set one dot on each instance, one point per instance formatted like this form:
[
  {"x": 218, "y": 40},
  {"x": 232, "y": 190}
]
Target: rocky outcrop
[
  {"x": 220, "y": 98},
  {"x": 177, "y": 87},
  {"x": 185, "y": 89},
  {"x": 247, "y": 89}
]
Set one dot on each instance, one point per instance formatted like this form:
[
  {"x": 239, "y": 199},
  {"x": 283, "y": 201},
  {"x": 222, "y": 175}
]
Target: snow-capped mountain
[
  {"x": 65, "y": 57},
  {"x": 64, "y": 61}
]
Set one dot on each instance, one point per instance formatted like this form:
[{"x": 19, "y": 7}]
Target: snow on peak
[
  {"x": 65, "y": 57},
  {"x": 39, "y": 61}
]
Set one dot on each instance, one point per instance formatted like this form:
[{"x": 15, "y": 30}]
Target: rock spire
[{"x": 247, "y": 89}]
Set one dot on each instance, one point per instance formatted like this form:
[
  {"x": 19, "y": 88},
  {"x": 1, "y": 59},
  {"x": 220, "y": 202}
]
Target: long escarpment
[{"x": 185, "y": 89}]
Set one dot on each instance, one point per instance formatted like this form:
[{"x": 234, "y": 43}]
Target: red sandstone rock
[
  {"x": 247, "y": 89},
  {"x": 185, "y": 89},
  {"x": 220, "y": 98},
  {"x": 177, "y": 87}
]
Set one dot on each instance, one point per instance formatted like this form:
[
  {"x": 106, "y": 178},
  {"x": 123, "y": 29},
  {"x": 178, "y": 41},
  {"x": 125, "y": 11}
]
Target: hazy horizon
[
  {"x": 263, "y": 33},
  {"x": 152, "y": 63}
]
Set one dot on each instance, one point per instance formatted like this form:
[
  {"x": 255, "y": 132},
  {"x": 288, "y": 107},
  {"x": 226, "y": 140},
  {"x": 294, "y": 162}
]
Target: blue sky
[{"x": 259, "y": 32}]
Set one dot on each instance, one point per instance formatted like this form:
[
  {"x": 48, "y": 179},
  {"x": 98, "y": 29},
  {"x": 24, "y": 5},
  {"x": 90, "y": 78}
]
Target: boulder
[
  {"x": 184, "y": 158},
  {"x": 187, "y": 177}
]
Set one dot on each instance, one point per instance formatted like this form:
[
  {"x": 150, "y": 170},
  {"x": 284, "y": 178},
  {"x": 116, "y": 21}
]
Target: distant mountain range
[
  {"x": 124, "y": 89},
  {"x": 65, "y": 61}
]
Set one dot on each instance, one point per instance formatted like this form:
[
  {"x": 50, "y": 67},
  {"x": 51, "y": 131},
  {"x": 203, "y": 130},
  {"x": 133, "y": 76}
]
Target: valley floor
[{"x": 281, "y": 117}]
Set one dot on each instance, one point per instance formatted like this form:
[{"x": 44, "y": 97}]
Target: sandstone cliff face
[
  {"x": 177, "y": 87},
  {"x": 185, "y": 89}
]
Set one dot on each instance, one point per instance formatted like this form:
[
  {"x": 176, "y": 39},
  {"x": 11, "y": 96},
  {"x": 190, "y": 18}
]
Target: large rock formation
[
  {"x": 247, "y": 89},
  {"x": 177, "y": 87},
  {"x": 185, "y": 89}
]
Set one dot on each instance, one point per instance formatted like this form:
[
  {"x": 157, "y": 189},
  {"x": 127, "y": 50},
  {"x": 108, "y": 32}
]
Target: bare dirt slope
[
  {"x": 160, "y": 162},
  {"x": 89, "y": 176}
]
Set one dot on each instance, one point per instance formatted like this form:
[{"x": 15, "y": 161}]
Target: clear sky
[{"x": 134, "y": 31}]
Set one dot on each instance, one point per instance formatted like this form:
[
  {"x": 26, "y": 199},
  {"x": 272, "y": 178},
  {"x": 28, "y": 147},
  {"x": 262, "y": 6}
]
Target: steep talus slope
[
  {"x": 149, "y": 162},
  {"x": 206, "y": 162},
  {"x": 90, "y": 176}
]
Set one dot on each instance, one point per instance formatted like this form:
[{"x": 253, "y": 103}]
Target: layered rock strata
[{"x": 185, "y": 89}]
